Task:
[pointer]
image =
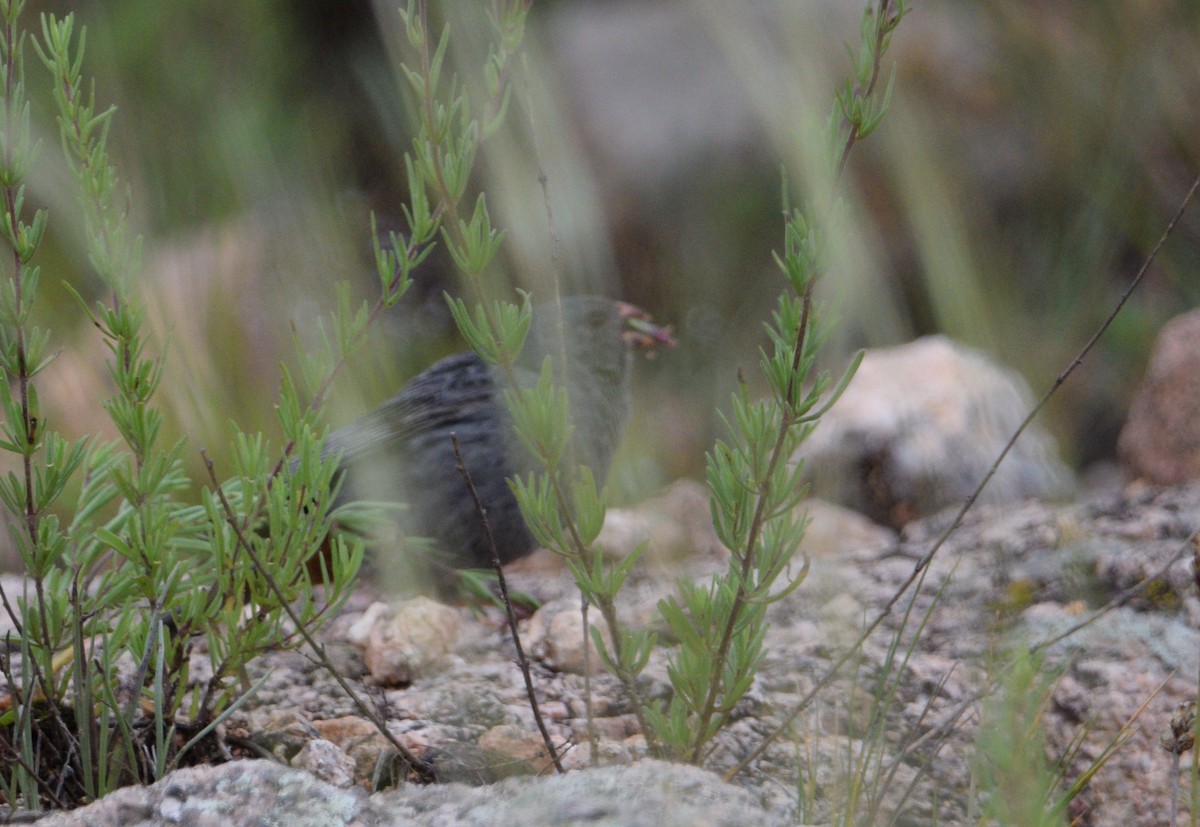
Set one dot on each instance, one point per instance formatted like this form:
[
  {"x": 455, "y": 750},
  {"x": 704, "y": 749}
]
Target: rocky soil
[
  {"x": 1097, "y": 592},
  {"x": 1011, "y": 577}
]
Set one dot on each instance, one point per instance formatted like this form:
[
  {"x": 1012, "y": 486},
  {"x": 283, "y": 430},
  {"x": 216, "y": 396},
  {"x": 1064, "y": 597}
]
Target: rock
[
  {"x": 282, "y": 732},
  {"x": 345, "y": 731},
  {"x": 674, "y": 524},
  {"x": 327, "y": 762},
  {"x": 240, "y": 792},
  {"x": 918, "y": 428},
  {"x": 361, "y": 741},
  {"x": 834, "y": 530},
  {"x": 1161, "y": 438},
  {"x": 261, "y": 792},
  {"x": 646, "y": 794},
  {"x": 610, "y": 753},
  {"x": 554, "y": 635},
  {"x": 401, "y": 643},
  {"x": 513, "y": 750}
]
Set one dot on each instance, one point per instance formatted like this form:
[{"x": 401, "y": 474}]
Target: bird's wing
[{"x": 458, "y": 389}]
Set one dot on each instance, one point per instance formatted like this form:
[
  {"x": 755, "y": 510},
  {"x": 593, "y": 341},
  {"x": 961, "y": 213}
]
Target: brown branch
[
  {"x": 510, "y": 615},
  {"x": 422, "y": 770}
]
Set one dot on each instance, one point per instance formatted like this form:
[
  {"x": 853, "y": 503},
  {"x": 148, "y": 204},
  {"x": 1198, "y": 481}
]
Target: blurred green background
[{"x": 1033, "y": 154}]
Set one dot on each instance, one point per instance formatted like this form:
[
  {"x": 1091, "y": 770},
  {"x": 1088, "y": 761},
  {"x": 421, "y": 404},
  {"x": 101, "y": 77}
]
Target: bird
[{"x": 403, "y": 452}]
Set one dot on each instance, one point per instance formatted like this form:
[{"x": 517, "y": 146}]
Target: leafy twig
[{"x": 753, "y": 493}]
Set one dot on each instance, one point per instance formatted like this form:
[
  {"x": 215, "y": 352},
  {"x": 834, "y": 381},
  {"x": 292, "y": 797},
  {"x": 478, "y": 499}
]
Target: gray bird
[{"x": 402, "y": 451}]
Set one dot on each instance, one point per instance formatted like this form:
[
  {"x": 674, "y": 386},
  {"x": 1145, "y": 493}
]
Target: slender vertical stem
[{"x": 510, "y": 615}]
